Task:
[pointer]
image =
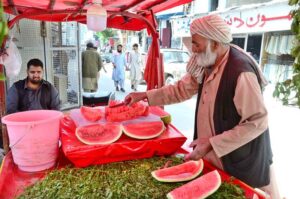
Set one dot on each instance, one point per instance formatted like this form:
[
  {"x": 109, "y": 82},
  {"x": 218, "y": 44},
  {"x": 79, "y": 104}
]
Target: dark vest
[
  {"x": 251, "y": 162},
  {"x": 45, "y": 99}
]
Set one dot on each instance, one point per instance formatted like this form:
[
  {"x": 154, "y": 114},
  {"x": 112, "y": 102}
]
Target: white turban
[{"x": 212, "y": 27}]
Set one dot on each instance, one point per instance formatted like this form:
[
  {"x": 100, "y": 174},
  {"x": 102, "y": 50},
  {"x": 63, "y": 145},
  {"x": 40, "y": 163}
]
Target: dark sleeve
[
  {"x": 12, "y": 100},
  {"x": 55, "y": 102},
  {"x": 82, "y": 58}
]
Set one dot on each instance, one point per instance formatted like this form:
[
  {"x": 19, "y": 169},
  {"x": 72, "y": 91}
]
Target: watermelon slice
[
  {"x": 199, "y": 188},
  {"x": 144, "y": 130},
  {"x": 123, "y": 113},
  {"x": 99, "y": 133},
  {"x": 164, "y": 116},
  {"x": 179, "y": 173},
  {"x": 91, "y": 114}
]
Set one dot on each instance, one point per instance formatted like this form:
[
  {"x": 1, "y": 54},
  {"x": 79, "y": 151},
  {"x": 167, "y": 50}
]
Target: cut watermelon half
[
  {"x": 199, "y": 188},
  {"x": 91, "y": 114},
  {"x": 144, "y": 130},
  {"x": 101, "y": 134},
  {"x": 179, "y": 173}
]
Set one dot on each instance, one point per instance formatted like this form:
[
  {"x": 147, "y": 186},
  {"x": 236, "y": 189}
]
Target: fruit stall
[{"x": 111, "y": 151}]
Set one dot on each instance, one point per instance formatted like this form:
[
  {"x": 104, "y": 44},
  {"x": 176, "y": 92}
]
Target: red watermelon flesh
[
  {"x": 199, "y": 188},
  {"x": 91, "y": 114},
  {"x": 123, "y": 113},
  {"x": 99, "y": 133},
  {"x": 144, "y": 130},
  {"x": 179, "y": 173}
]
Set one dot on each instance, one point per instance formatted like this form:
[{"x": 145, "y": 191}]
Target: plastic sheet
[
  {"x": 82, "y": 155},
  {"x": 79, "y": 120}
]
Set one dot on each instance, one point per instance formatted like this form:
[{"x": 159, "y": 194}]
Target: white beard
[{"x": 207, "y": 58}]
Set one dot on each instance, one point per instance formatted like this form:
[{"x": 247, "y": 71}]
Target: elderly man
[{"x": 231, "y": 128}]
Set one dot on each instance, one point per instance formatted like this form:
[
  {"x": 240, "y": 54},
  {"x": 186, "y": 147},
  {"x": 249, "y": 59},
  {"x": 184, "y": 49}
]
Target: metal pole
[{"x": 5, "y": 140}]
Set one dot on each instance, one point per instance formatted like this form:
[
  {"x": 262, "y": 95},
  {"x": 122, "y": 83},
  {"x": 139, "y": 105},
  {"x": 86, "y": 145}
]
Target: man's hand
[
  {"x": 201, "y": 147},
  {"x": 135, "y": 97}
]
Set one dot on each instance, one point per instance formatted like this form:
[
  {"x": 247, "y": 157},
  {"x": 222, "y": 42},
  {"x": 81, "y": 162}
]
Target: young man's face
[
  {"x": 35, "y": 74},
  {"x": 119, "y": 49}
]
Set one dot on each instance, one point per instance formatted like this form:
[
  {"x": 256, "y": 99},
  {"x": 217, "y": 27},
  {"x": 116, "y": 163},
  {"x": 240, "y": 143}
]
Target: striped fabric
[
  {"x": 194, "y": 69},
  {"x": 212, "y": 27}
]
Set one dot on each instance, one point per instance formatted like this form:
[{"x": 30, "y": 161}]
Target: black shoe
[
  {"x": 122, "y": 89},
  {"x": 117, "y": 89}
]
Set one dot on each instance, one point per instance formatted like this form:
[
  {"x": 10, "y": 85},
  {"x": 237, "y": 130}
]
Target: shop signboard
[
  {"x": 274, "y": 17},
  {"x": 249, "y": 19}
]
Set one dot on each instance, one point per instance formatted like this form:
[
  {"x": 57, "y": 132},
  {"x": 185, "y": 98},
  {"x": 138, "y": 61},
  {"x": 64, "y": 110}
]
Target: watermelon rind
[
  {"x": 199, "y": 188},
  {"x": 155, "y": 133},
  {"x": 99, "y": 142},
  {"x": 164, "y": 116},
  {"x": 179, "y": 173},
  {"x": 167, "y": 119}
]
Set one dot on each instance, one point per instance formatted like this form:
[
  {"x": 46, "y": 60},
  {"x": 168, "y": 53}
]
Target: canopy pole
[{"x": 5, "y": 140}]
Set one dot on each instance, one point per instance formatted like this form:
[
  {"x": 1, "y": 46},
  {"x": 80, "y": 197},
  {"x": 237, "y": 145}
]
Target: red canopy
[
  {"x": 74, "y": 10},
  {"x": 132, "y": 15}
]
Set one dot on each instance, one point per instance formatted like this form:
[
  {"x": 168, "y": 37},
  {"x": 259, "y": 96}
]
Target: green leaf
[{"x": 293, "y": 2}]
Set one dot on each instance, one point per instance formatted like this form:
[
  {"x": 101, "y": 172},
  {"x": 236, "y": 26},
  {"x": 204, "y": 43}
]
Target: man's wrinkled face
[
  {"x": 35, "y": 74},
  {"x": 202, "y": 49}
]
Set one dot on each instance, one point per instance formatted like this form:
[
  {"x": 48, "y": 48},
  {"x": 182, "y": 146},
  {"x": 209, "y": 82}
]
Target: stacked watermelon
[
  {"x": 110, "y": 131},
  {"x": 123, "y": 113}
]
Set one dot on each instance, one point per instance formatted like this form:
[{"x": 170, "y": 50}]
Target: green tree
[
  {"x": 289, "y": 90},
  {"x": 3, "y": 31},
  {"x": 106, "y": 34}
]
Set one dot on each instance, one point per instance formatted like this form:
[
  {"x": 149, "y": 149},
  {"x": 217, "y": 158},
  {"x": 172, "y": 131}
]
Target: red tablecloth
[{"x": 126, "y": 148}]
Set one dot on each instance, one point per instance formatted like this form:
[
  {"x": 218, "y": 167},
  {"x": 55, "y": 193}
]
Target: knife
[{"x": 117, "y": 105}]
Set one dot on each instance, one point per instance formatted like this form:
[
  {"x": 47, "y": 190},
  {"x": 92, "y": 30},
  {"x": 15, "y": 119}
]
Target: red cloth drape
[{"x": 152, "y": 64}]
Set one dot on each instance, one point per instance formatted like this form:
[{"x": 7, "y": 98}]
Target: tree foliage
[
  {"x": 289, "y": 90},
  {"x": 106, "y": 34},
  {"x": 3, "y": 33}
]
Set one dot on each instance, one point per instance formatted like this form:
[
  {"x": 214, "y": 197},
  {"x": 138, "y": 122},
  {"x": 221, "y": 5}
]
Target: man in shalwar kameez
[
  {"x": 231, "y": 120},
  {"x": 135, "y": 65},
  {"x": 119, "y": 64}
]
